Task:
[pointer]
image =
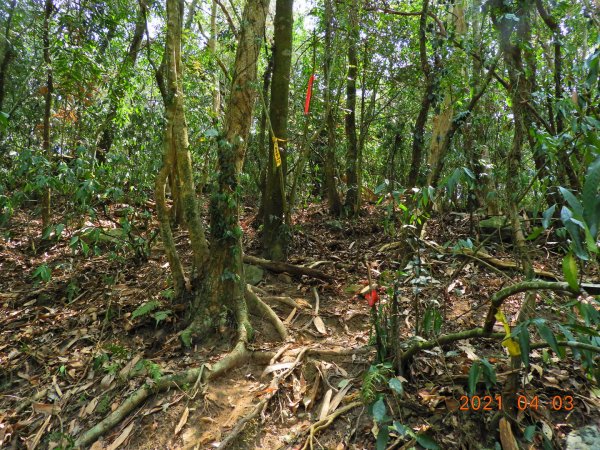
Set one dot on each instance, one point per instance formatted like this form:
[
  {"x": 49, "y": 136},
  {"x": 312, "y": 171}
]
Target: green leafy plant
[{"x": 42, "y": 273}]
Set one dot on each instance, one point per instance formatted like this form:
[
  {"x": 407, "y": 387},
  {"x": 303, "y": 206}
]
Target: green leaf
[
  {"x": 535, "y": 233},
  {"x": 396, "y": 385},
  {"x": 547, "y": 216},
  {"x": 59, "y": 229},
  {"x": 566, "y": 216},
  {"x": 159, "y": 316},
  {"x": 489, "y": 372},
  {"x": 145, "y": 309},
  {"x": 547, "y": 335},
  {"x": 427, "y": 442},
  {"x": 569, "y": 336},
  {"x": 383, "y": 438},
  {"x": 43, "y": 272},
  {"x": 403, "y": 430},
  {"x": 474, "y": 373},
  {"x": 382, "y": 187},
  {"x": 379, "y": 410},
  {"x": 211, "y": 132},
  {"x": 524, "y": 343},
  {"x": 529, "y": 433},
  {"x": 575, "y": 205},
  {"x": 570, "y": 272},
  {"x": 590, "y": 197}
]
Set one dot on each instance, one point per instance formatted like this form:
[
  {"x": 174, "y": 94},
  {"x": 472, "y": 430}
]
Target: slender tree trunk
[
  {"x": 8, "y": 53},
  {"x": 117, "y": 89},
  {"x": 352, "y": 203},
  {"x": 520, "y": 90},
  {"x": 333, "y": 198},
  {"x": 263, "y": 153},
  {"x": 176, "y": 154},
  {"x": 46, "y": 147},
  {"x": 419, "y": 129},
  {"x": 212, "y": 46},
  {"x": 275, "y": 236},
  {"x": 566, "y": 171}
]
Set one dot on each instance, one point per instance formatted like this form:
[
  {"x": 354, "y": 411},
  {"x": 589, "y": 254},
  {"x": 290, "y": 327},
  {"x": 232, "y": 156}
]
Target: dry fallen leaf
[
  {"x": 320, "y": 325},
  {"x": 122, "y": 437},
  {"x": 182, "y": 421}
]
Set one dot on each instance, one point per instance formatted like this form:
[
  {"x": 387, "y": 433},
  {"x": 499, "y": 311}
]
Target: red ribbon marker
[
  {"x": 308, "y": 94},
  {"x": 372, "y": 296}
]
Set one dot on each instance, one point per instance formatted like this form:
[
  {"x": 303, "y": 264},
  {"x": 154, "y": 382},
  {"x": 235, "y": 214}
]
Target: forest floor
[{"x": 74, "y": 347}]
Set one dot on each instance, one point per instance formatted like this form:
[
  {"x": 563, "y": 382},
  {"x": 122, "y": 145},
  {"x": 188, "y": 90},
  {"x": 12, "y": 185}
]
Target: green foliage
[
  {"x": 145, "y": 309},
  {"x": 375, "y": 378},
  {"x": 42, "y": 273},
  {"x": 479, "y": 367}
]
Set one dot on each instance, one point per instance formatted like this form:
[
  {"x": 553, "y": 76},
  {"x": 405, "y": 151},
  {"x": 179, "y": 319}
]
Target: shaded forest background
[{"x": 191, "y": 190}]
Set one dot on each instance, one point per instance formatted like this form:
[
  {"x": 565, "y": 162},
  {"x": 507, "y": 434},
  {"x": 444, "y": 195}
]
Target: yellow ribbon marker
[
  {"x": 276, "y": 153},
  {"x": 511, "y": 345}
]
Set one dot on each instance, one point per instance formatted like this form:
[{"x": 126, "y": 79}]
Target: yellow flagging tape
[
  {"x": 511, "y": 345},
  {"x": 276, "y": 152}
]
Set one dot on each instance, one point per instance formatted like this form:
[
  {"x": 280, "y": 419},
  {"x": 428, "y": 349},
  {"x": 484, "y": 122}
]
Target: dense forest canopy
[{"x": 209, "y": 177}]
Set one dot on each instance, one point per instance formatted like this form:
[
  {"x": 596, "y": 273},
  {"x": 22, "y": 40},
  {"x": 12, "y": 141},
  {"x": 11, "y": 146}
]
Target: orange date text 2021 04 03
[{"x": 496, "y": 403}]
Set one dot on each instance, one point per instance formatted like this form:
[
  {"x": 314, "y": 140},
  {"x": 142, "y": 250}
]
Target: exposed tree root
[
  {"x": 260, "y": 406},
  {"x": 285, "y": 267},
  {"x": 236, "y": 357},
  {"x": 264, "y": 310},
  {"x": 324, "y": 423}
]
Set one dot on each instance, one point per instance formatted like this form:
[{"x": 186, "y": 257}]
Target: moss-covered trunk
[{"x": 219, "y": 295}]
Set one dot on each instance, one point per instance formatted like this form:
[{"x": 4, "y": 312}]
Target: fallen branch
[
  {"x": 276, "y": 266},
  {"x": 499, "y": 297},
  {"x": 481, "y": 333},
  {"x": 482, "y": 256}
]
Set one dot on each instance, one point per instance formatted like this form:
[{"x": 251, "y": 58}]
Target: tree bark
[
  {"x": 333, "y": 198},
  {"x": 275, "y": 236},
  {"x": 419, "y": 129},
  {"x": 220, "y": 292},
  {"x": 46, "y": 147},
  {"x": 352, "y": 203},
  {"x": 8, "y": 54}
]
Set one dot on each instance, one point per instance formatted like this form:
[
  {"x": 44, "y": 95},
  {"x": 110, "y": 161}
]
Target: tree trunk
[
  {"x": 117, "y": 88},
  {"x": 352, "y": 203},
  {"x": 220, "y": 293},
  {"x": 520, "y": 91},
  {"x": 263, "y": 154},
  {"x": 275, "y": 236},
  {"x": 333, "y": 197},
  {"x": 419, "y": 130},
  {"x": 46, "y": 147},
  {"x": 8, "y": 52}
]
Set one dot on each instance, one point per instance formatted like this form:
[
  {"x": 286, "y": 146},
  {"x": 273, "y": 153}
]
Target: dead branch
[{"x": 279, "y": 267}]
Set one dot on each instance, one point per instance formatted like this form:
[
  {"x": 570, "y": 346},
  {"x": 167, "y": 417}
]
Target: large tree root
[
  {"x": 262, "y": 309},
  {"x": 285, "y": 267}
]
